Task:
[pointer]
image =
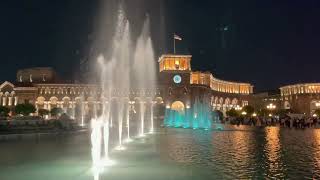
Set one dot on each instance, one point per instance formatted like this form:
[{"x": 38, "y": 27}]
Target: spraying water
[{"x": 116, "y": 74}]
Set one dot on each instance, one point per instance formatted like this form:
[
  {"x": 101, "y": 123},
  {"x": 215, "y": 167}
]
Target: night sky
[{"x": 268, "y": 43}]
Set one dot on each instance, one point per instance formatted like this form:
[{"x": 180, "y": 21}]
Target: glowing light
[
  {"x": 315, "y": 115},
  {"x": 270, "y": 115},
  {"x": 254, "y": 114},
  {"x": 271, "y": 106},
  {"x": 120, "y": 148},
  {"x": 244, "y": 113}
]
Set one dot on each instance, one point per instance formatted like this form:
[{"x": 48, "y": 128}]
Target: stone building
[
  {"x": 181, "y": 85},
  {"x": 301, "y": 98},
  {"x": 178, "y": 87}
]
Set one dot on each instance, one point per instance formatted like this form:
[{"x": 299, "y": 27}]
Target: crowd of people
[{"x": 289, "y": 122}]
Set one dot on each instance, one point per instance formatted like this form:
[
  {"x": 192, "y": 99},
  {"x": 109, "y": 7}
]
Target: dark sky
[{"x": 267, "y": 42}]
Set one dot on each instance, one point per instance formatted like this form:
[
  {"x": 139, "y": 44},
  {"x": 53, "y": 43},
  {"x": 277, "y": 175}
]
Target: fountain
[
  {"x": 116, "y": 74},
  {"x": 197, "y": 117}
]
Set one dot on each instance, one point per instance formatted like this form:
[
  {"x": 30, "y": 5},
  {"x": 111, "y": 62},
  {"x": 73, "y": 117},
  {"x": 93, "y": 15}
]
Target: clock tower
[{"x": 175, "y": 69}]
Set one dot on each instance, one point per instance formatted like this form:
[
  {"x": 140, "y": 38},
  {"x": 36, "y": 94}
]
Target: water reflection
[
  {"x": 274, "y": 165},
  {"x": 316, "y": 154}
]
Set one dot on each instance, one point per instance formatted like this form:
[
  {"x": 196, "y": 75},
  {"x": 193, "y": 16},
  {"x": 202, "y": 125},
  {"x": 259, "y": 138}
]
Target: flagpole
[{"x": 174, "y": 44}]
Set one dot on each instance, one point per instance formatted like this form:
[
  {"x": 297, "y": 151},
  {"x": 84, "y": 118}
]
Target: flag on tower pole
[{"x": 175, "y": 37}]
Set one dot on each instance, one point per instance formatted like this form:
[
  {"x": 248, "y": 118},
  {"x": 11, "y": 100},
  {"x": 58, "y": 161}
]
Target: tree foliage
[
  {"x": 248, "y": 109},
  {"x": 43, "y": 112},
  {"x": 4, "y": 111},
  {"x": 317, "y": 112},
  {"x": 232, "y": 113},
  {"x": 56, "y": 111},
  {"x": 219, "y": 114},
  {"x": 25, "y": 109}
]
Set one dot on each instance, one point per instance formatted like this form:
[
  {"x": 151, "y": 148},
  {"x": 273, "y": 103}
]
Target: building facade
[
  {"x": 178, "y": 87},
  {"x": 301, "y": 98}
]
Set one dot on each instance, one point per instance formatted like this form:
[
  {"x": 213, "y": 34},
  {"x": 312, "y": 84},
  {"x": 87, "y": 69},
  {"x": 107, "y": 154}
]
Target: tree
[
  {"x": 317, "y": 112},
  {"x": 4, "y": 111},
  {"x": 232, "y": 113},
  {"x": 263, "y": 112},
  {"x": 218, "y": 113},
  {"x": 43, "y": 112},
  {"x": 248, "y": 109},
  {"x": 283, "y": 112},
  {"x": 56, "y": 111},
  {"x": 25, "y": 109}
]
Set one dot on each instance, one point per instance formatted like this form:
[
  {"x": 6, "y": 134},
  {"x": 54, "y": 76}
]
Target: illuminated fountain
[
  {"x": 116, "y": 74},
  {"x": 144, "y": 69},
  {"x": 198, "y": 116}
]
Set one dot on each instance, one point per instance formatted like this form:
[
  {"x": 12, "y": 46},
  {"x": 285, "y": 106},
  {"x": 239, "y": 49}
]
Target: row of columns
[{"x": 9, "y": 100}]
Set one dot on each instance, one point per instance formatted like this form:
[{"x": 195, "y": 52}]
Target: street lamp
[
  {"x": 271, "y": 106},
  {"x": 254, "y": 115},
  {"x": 238, "y": 108},
  {"x": 244, "y": 113}
]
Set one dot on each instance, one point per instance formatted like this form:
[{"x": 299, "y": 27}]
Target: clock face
[{"x": 177, "y": 79}]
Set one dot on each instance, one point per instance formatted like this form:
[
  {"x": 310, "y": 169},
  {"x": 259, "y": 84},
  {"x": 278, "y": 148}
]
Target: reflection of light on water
[
  {"x": 316, "y": 153},
  {"x": 273, "y": 151}
]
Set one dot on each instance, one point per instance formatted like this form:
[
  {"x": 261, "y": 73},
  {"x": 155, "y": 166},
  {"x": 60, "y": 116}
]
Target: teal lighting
[{"x": 199, "y": 116}]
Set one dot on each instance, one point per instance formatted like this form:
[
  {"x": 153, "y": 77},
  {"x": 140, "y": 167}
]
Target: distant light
[
  {"x": 315, "y": 115},
  {"x": 270, "y": 115},
  {"x": 244, "y": 113},
  {"x": 254, "y": 114}
]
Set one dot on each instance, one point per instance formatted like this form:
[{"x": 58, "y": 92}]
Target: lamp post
[
  {"x": 271, "y": 107},
  {"x": 238, "y": 108}
]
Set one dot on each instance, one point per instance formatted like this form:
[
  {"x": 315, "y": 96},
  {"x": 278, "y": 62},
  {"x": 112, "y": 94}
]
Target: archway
[
  {"x": 40, "y": 102},
  {"x": 177, "y": 106}
]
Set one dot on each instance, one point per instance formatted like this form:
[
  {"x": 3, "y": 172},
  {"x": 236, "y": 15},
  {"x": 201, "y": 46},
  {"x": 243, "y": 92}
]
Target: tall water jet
[
  {"x": 120, "y": 123},
  {"x": 129, "y": 106},
  {"x": 142, "y": 113},
  {"x": 144, "y": 64},
  {"x": 116, "y": 71}
]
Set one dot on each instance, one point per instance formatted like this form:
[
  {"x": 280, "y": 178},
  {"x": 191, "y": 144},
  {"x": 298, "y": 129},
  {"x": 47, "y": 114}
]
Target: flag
[{"x": 177, "y": 37}]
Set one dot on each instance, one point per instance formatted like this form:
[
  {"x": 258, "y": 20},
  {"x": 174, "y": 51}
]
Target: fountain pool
[{"x": 180, "y": 154}]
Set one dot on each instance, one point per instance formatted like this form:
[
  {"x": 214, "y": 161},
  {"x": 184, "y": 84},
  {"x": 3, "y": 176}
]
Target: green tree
[
  {"x": 232, "y": 113},
  {"x": 56, "y": 111},
  {"x": 25, "y": 109},
  {"x": 248, "y": 109},
  {"x": 43, "y": 112},
  {"x": 4, "y": 111}
]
